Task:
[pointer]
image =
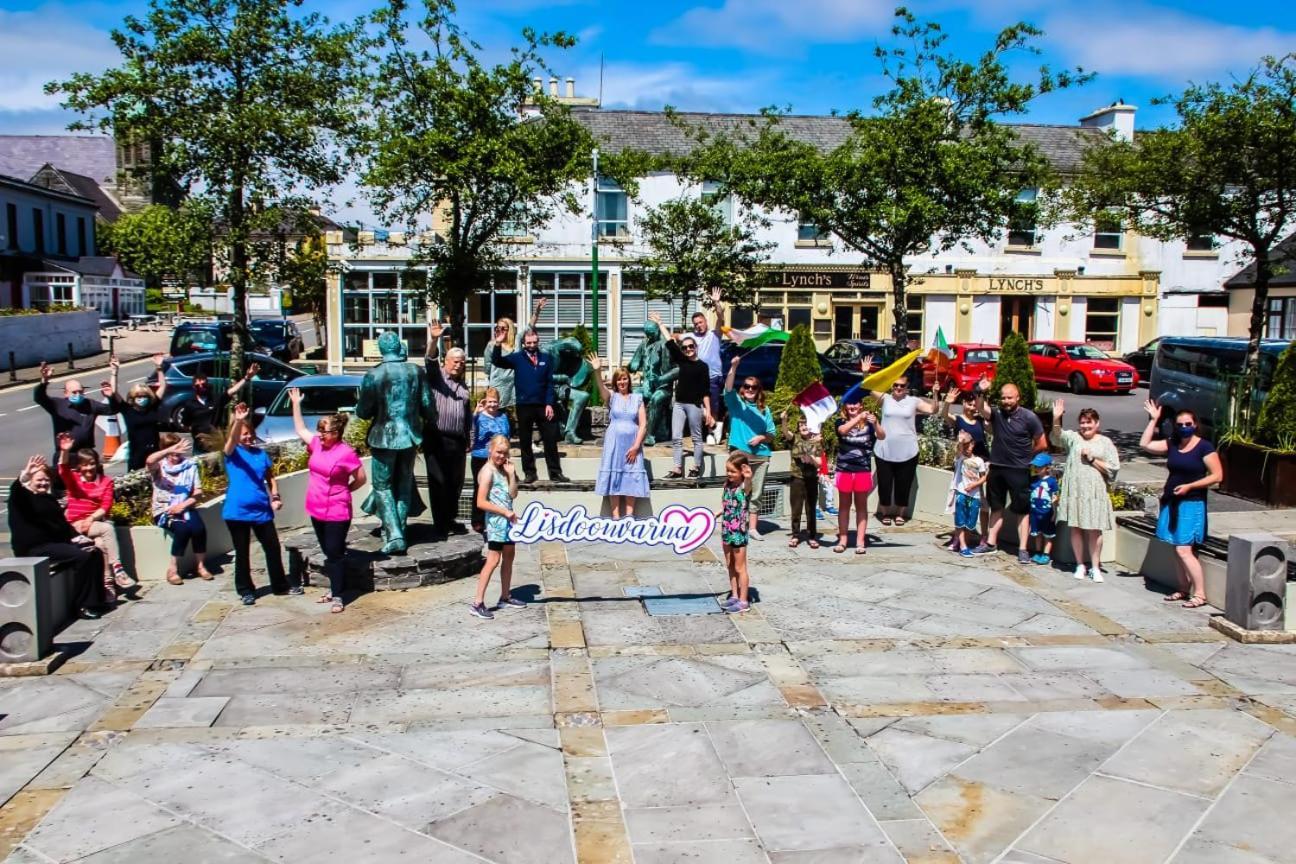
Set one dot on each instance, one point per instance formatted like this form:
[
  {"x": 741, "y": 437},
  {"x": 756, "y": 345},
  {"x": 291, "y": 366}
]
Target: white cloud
[
  {"x": 774, "y": 25},
  {"x": 649, "y": 87},
  {"x": 1161, "y": 43},
  {"x": 46, "y": 44}
]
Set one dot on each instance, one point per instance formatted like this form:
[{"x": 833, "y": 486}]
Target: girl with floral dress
[{"x": 735, "y": 508}]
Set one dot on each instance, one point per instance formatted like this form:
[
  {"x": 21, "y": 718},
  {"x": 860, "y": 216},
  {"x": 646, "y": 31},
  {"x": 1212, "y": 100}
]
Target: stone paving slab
[{"x": 894, "y": 707}]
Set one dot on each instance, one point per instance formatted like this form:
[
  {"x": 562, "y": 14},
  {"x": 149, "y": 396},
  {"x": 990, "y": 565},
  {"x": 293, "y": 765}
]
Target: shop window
[
  {"x": 60, "y": 234},
  {"x": 914, "y": 319},
  {"x": 1281, "y": 321},
  {"x": 11, "y": 226},
  {"x": 1107, "y": 233},
  {"x": 82, "y": 247},
  {"x": 1102, "y": 322},
  {"x": 38, "y": 223},
  {"x": 1200, "y": 243},
  {"x": 1022, "y": 222},
  {"x": 570, "y": 304},
  {"x": 741, "y": 317},
  {"x": 823, "y": 328},
  {"x": 611, "y": 209},
  {"x": 808, "y": 232},
  {"x": 714, "y": 194}
]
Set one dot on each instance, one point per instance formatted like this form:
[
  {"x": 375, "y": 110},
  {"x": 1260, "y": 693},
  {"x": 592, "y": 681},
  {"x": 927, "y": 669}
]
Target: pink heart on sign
[{"x": 698, "y": 523}]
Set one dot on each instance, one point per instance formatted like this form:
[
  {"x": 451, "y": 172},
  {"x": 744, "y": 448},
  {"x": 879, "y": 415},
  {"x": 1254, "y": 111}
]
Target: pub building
[{"x": 1097, "y": 283}]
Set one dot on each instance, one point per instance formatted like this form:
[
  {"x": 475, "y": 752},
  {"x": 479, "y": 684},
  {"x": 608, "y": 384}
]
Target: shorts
[
  {"x": 854, "y": 482},
  {"x": 967, "y": 511},
  {"x": 1009, "y": 486},
  {"x": 1043, "y": 525},
  {"x": 498, "y": 545}
]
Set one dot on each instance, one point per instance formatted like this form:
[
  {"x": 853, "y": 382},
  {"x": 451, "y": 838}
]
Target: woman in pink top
[
  {"x": 89, "y": 501},
  {"x": 335, "y": 472}
]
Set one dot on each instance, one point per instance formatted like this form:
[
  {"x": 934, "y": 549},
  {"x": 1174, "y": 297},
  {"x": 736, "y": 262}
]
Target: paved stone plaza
[{"x": 895, "y": 707}]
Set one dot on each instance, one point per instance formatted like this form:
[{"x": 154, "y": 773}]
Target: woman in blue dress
[{"x": 622, "y": 476}]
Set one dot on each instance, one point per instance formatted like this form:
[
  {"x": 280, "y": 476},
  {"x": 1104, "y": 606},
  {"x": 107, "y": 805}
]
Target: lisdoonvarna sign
[{"x": 682, "y": 528}]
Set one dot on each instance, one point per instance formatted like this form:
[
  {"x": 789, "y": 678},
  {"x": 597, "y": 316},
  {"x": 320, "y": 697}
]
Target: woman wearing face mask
[
  {"x": 1194, "y": 467},
  {"x": 38, "y": 529},
  {"x": 204, "y": 412},
  {"x": 1091, "y": 465},
  {"x": 141, "y": 411}
]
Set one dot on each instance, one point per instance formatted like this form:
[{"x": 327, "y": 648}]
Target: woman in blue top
[
  {"x": 751, "y": 431},
  {"x": 489, "y": 421},
  {"x": 250, "y": 504}
]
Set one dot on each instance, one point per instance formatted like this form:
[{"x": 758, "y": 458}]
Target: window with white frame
[
  {"x": 611, "y": 209},
  {"x": 373, "y": 302},
  {"x": 1025, "y": 215},
  {"x": 1281, "y": 320},
  {"x": 714, "y": 194},
  {"x": 808, "y": 232},
  {"x": 1107, "y": 233},
  {"x": 1102, "y": 322},
  {"x": 571, "y": 304},
  {"x": 516, "y": 225},
  {"x": 1200, "y": 243},
  {"x": 914, "y": 319}
]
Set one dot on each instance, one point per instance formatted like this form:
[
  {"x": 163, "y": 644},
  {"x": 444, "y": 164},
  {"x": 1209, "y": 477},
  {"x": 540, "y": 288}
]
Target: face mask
[
  {"x": 142, "y": 401},
  {"x": 1186, "y": 430},
  {"x": 76, "y": 398}
]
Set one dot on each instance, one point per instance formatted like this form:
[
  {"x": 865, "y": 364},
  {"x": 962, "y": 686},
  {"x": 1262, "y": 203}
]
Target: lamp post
[{"x": 594, "y": 272}]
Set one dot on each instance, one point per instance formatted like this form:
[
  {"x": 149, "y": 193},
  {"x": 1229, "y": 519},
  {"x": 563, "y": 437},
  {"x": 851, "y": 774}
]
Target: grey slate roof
[
  {"x": 93, "y": 156},
  {"x": 657, "y": 133},
  {"x": 53, "y": 177},
  {"x": 90, "y": 265},
  {"x": 1284, "y": 261}
]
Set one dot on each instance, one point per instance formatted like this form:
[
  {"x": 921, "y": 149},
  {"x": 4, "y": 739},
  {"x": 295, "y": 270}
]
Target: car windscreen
[
  {"x": 268, "y": 330},
  {"x": 319, "y": 400},
  {"x": 1085, "y": 352},
  {"x": 982, "y": 355}
]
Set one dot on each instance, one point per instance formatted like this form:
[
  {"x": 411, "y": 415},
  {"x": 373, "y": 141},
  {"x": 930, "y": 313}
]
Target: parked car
[
  {"x": 322, "y": 395},
  {"x": 1142, "y": 359},
  {"x": 1081, "y": 367},
  {"x": 1193, "y": 373},
  {"x": 762, "y": 364},
  {"x": 847, "y": 353},
  {"x": 278, "y": 337},
  {"x": 271, "y": 378},
  {"x": 971, "y": 360},
  {"x": 204, "y": 337}
]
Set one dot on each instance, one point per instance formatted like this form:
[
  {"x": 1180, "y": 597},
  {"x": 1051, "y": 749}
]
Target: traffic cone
[{"x": 112, "y": 436}]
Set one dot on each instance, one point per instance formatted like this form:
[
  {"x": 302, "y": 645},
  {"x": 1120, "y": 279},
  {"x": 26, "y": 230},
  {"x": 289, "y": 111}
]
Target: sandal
[
  {"x": 886, "y": 520},
  {"x": 899, "y": 520},
  {"x": 327, "y": 598},
  {"x": 675, "y": 474},
  {"x": 794, "y": 542},
  {"x": 337, "y": 606},
  {"x": 812, "y": 543},
  {"x": 174, "y": 578},
  {"x": 839, "y": 548},
  {"x": 860, "y": 550},
  {"x": 1171, "y": 598},
  {"x": 1195, "y": 602}
]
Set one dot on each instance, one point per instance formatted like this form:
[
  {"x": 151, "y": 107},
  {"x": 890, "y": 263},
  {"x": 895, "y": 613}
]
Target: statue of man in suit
[{"x": 395, "y": 398}]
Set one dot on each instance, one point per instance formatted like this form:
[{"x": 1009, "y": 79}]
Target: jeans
[
  {"x": 185, "y": 529},
  {"x": 528, "y": 417},
  {"x": 717, "y": 400},
  {"x": 894, "y": 480},
  {"x": 693, "y": 414},
  {"x": 86, "y": 563},
  {"x": 803, "y": 492},
  {"x": 241, "y": 533},
  {"x": 443, "y": 455},
  {"x": 332, "y": 537}
]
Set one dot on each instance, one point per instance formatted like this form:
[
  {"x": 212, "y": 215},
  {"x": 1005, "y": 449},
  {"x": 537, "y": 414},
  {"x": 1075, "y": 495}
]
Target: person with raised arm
[
  {"x": 708, "y": 340},
  {"x": 205, "y": 411},
  {"x": 622, "y": 477},
  {"x": 251, "y": 501},
  {"x": 141, "y": 411},
  {"x": 692, "y": 399},
  {"x": 533, "y": 377},
  {"x": 751, "y": 432},
  {"x": 89, "y": 502},
  {"x": 175, "y": 495},
  {"x": 1017, "y": 435},
  {"x": 73, "y": 412},
  {"x": 447, "y": 439}
]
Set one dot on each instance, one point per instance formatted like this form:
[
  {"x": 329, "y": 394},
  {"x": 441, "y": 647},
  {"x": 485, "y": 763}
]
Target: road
[{"x": 1122, "y": 417}]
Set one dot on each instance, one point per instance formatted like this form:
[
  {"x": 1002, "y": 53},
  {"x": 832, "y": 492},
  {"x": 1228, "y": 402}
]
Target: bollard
[
  {"x": 112, "y": 351},
  {"x": 71, "y": 359},
  {"x": 13, "y": 370}
]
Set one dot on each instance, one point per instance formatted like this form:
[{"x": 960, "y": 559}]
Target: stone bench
[{"x": 36, "y": 602}]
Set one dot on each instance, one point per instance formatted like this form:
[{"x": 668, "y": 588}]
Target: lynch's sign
[
  {"x": 684, "y": 529},
  {"x": 814, "y": 279},
  {"x": 1007, "y": 283}
]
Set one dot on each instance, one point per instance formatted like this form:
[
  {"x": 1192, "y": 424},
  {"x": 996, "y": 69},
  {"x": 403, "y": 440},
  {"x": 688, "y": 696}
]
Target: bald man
[
  {"x": 73, "y": 412},
  {"x": 1018, "y": 436}
]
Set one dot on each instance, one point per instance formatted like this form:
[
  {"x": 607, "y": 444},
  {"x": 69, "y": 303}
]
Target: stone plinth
[{"x": 425, "y": 562}]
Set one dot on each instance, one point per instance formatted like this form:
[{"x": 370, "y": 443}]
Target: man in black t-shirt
[{"x": 1018, "y": 436}]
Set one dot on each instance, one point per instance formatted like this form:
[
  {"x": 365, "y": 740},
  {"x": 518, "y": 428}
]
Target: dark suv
[
  {"x": 763, "y": 364},
  {"x": 278, "y": 337}
]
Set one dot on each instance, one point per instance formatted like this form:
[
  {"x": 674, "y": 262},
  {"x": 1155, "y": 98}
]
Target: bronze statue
[
  {"x": 395, "y": 397},
  {"x": 571, "y": 372},
  {"x": 658, "y": 375}
]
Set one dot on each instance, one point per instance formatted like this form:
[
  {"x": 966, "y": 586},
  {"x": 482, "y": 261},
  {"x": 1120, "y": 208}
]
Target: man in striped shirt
[{"x": 448, "y": 439}]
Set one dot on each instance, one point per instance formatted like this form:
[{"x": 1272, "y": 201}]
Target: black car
[
  {"x": 848, "y": 353},
  {"x": 278, "y": 337},
  {"x": 763, "y": 364},
  {"x": 272, "y": 377},
  {"x": 1142, "y": 359}
]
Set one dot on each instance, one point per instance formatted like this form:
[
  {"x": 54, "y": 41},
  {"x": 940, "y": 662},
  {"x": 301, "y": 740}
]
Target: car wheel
[{"x": 1077, "y": 383}]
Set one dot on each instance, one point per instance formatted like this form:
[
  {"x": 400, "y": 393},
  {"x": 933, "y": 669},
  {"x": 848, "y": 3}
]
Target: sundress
[
  {"x": 734, "y": 516},
  {"x": 497, "y": 527},
  {"x": 1083, "y": 501},
  {"x": 616, "y": 476}
]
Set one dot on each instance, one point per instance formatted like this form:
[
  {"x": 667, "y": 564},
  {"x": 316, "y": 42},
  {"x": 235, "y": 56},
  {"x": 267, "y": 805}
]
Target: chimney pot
[
  {"x": 539, "y": 84},
  {"x": 571, "y": 88},
  {"x": 553, "y": 86}
]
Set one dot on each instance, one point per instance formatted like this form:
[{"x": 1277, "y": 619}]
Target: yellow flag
[{"x": 881, "y": 380}]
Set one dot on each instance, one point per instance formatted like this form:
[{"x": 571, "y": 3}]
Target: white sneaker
[
  {"x": 1079, "y": 571},
  {"x": 755, "y": 534},
  {"x": 1096, "y": 574}
]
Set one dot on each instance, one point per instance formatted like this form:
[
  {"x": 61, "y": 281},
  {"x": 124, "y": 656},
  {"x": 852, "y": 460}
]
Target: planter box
[{"x": 1259, "y": 474}]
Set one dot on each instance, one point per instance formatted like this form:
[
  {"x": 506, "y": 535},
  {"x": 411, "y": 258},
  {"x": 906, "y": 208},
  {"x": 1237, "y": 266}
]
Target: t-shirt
[
  {"x": 975, "y": 427},
  {"x": 1014, "y": 437},
  {"x": 694, "y": 381},
  {"x": 901, "y": 441},
  {"x": 968, "y": 471},
  {"x": 328, "y": 492},
  {"x": 485, "y": 427},
  {"x": 1187, "y": 468},
  {"x": 84, "y": 497},
  {"x": 248, "y": 496},
  {"x": 709, "y": 353},
  {"x": 855, "y": 448},
  {"x": 746, "y": 421},
  {"x": 141, "y": 428},
  {"x": 1043, "y": 492}
]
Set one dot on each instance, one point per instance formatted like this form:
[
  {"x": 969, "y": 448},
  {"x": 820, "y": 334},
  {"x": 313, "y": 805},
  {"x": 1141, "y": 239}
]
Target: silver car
[{"x": 322, "y": 395}]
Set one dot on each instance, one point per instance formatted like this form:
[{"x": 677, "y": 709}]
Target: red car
[
  {"x": 971, "y": 360},
  {"x": 1080, "y": 366}
]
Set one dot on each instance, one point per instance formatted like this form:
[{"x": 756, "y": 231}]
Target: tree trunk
[
  {"x": 1259, "y": 308},
  {"x": 238, "y": 281},
  {"x": 899, "y": 284}
]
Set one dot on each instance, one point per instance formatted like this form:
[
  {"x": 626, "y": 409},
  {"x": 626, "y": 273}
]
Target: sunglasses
[
  {"x": 748, "y": 387},
  {"x": 690, "y": 347}
]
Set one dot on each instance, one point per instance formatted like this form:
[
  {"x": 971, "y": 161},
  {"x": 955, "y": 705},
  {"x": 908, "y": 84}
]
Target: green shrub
[
  {"x": 798, "y": 369},
  {"x": 1276, "y": 426},
  {"x": 1015, "y": 368}
]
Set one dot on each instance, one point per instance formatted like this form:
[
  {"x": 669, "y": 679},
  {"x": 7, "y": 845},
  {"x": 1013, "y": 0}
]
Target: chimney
[
  {"x": 571, "y": 88},
  {"x": 553, "y": 86},
  {"x": 1117, "y": 116},
  {"x": 539, "y": 84}
]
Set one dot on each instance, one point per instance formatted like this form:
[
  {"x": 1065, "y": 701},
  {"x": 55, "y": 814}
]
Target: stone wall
[{"x": 33, "y": 338}]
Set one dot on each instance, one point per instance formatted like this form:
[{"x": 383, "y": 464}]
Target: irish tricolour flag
[
  {"x": 756, "y": 336},
  {"x": 940, "y": 353},
  {"x": 817, "y": 404}
]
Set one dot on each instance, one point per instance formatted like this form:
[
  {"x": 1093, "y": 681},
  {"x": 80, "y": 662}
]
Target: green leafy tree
[
  {"x": 1276, "y": 426},
  {"x": 245, "y": 99},
  {"x": 161, "y": 242},
  {"x": 472, "y": 144},
  {"x": 927, "y": 170},
  {"x": 694, "y": 251},
  {"x": 1014, "y": 367},
  {"x": 1227, "y": 169},
  {"x": 304, "y": 272}
]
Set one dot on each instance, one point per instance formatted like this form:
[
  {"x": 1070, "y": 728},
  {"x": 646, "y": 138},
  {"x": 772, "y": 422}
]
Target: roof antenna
[{"x": 600, "y": 96}]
